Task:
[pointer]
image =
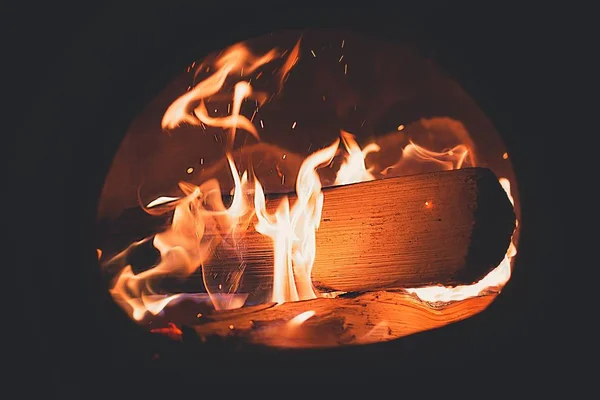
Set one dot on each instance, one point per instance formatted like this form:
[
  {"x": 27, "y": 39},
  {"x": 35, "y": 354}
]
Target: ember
[
  {"x": 374, "y": 242},
  {"x": 171, "y": 331}
]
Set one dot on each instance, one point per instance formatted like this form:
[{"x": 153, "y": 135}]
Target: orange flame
[
  {"x": 300, "y": 318},
  {"x": 294, "y": 230},
  {"x": 190, "y": 108},
  {"x": 353, "y": 169},
  {"x": 130, "y": 288},
  {"x": 196, "y": 230},
  {"x": 242, "y": 90},
  {"x": 414, "y": 157},
  {"x": 235, "y": 59},
  {"x": 200, "y": 224}
]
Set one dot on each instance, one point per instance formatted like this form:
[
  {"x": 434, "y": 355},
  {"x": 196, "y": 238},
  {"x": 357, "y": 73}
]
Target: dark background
[{"x": 81, "y": 71}]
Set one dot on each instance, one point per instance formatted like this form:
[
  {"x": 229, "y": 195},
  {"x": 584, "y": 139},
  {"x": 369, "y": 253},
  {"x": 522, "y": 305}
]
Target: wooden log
[
  {"x": 351, "y": 319},
  {"x": 448, "y": 227}
]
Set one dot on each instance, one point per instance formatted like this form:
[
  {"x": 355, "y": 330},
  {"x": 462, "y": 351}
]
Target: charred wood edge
[{"x": 491, "y": 219}]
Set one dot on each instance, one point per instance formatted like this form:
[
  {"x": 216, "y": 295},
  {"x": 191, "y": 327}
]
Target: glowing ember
[
  {"x": 171, "y": 331},
  {"x": 200, "y": 224}
]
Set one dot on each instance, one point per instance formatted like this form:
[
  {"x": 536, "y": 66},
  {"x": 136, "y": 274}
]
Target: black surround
[{"x": 100, "y": 69}]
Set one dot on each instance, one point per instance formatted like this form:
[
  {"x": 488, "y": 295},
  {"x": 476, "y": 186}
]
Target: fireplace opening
[{"x": 308, "y": 189}]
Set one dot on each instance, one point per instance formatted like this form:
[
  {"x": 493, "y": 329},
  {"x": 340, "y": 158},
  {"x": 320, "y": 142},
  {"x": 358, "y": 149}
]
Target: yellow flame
[
  {"x": 130, "y": 288},
  {"x": 190, "y": 108},
  {"x": 353, "y": 169},
  {"x": 294, "y": 230},
  {"x": 454, "y": 158},
  {"x": 300, "y": 318},
  {"x": 161, "y": 200},
  {"x": 415, "y": 156},
  {"x": 200, "y": 223},
  {"x": 200, "y": 220}
]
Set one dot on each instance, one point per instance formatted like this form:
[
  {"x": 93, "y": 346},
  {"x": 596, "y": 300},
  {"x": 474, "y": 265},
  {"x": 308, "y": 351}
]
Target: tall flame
[
  {"x": 236, "y": 59},
  {"x": 242, "y": 90},
  {"x": 201, "y": 222},
  {"x": 294, "y": 230}
]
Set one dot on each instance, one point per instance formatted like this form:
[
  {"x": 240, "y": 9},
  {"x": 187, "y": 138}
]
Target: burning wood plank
[
  {"x": 448, "y": 227},
  {"x": 347, "y": 319}
]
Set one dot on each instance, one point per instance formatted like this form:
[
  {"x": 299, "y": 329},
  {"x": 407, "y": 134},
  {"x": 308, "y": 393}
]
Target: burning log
[
  {"x": 333, "y": 321},
  {"x": 448, "y": 227}
]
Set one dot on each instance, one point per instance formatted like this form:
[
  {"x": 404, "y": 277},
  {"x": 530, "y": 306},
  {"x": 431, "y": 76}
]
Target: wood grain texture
[
  {"x": 449, "y": 227},
  {"x": 353, "y": 319}
]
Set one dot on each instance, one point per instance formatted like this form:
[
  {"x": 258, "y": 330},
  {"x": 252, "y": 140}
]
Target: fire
[
  {"x": 196, "y": 229},
  {"x": 294, "y": 230},
  {"x": 495, "y": 279},
  {"x": 238, "y": 60},
  {"x": 415, "y": 157},
  {"x": 242, "y": 90},
  {"x": 300, "y": 318},
  {"x": 353, "y": 169},
  {"x": 202, "y": 223}
]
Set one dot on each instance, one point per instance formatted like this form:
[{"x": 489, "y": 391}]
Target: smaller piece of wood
[{"x": 351, "y": 319}]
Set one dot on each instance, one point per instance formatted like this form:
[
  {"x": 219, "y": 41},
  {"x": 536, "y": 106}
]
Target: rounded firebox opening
[{"x": 223, "y": 212}]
